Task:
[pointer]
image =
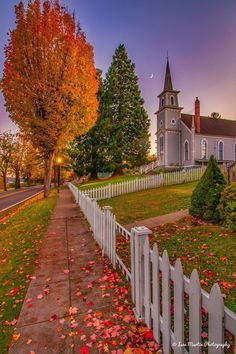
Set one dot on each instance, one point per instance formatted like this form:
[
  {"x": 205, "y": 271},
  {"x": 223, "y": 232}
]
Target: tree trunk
[
  {"x": 28, "y": 176},
  {"x": 17, "y": 182},
  {"x": 55, "y": 175},
  {"x": 4, "y": 181},
  {"x": 48, "y": 163}
]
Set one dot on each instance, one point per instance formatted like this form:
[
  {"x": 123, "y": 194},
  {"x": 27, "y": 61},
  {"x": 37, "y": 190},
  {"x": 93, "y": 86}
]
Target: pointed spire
[{"x": 168, "y": 82}]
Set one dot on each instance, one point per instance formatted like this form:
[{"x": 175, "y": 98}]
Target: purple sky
[{"x": 199, "y": 35}]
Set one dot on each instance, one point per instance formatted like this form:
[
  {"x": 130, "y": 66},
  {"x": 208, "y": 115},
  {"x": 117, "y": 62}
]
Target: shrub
[
  {"x": 206, "y": 196},
  {"x": 227, "y": 207}
]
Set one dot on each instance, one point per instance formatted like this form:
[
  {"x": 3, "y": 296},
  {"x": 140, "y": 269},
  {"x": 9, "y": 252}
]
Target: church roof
[
  {"x": 212, "y": 126},
  {"x": 168, "y": 82}
]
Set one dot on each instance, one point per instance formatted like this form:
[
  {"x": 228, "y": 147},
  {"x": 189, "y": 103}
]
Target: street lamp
[{"x": 59, "y": 161}]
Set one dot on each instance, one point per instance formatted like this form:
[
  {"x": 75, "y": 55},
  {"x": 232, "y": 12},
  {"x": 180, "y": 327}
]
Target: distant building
[{"x": 188, "y": 140}]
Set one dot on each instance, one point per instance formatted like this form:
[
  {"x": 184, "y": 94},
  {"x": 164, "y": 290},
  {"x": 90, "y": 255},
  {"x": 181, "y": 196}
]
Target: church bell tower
[{"x": 168, "y": 123}]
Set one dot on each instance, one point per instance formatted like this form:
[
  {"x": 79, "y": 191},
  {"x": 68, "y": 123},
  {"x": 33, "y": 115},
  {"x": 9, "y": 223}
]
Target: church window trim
[
  {"x": 204, "y": 149},
  {"x": 221, "y": 150},
  {"x": 186, "y": 150},
  {"x": 161, "y": 144}
]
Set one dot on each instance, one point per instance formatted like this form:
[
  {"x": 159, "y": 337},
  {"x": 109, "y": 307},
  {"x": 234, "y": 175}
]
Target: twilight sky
[{"x": 200, "y": 36}]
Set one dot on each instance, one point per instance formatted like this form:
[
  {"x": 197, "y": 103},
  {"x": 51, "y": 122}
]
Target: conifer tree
[
  {"x": 129, "y": 134},
  {"x": 206, "y": 196}
]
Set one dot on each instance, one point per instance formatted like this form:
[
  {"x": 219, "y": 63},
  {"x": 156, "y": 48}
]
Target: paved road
[{"x": 9, "y": 198}]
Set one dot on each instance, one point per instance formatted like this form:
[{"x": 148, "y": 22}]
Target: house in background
[{"x": 188, "y": 140}]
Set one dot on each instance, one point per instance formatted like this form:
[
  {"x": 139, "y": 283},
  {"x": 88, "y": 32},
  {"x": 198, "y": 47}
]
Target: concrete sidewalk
[
  {"x": 75, "y": 302},
  {"x": 159, "y": 220}
]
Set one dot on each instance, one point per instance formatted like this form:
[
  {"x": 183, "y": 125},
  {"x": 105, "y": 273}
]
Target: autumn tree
[
  {"x": 6, "y": 151},
  {"x": 32, "y": 162},
  {"x": 49, "y": 80},
  {"x": 17, "y": 157}
]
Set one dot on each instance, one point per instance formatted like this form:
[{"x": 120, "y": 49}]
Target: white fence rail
[
  {"x": 157, "y": 287},
  {"x": 148, "y": 182},
  {"x": 149, "y": 167}
]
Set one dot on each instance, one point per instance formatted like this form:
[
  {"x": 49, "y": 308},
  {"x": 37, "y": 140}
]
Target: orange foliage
[{"x": 49, "y": 80}]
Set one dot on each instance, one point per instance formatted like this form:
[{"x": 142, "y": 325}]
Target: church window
[
  {"x": 173, "y": 121},
  {"x": 204, "y": 149},
  {"x": 161, "y": 123},
  {"x": 162, "y": 102},
  {"x": 186, "y": 150},
  {"x": 172, "y": 100},
  {"x": 221, "y": 151},
  {"x": 161, "y": 144}
]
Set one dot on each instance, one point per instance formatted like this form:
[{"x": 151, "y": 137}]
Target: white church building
[{"x": 189, "y": 140}]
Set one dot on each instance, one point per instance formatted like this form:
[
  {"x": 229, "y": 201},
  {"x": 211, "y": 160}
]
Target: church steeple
[
  {"x": 168, "y": 82},
  {"x": 168, "y": 97}
]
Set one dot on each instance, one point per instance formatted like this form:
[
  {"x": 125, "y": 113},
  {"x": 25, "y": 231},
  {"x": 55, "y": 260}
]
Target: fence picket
[
  {"x": 156, "y": 293},
  {"x": 195, "y": 315},
  {"x": 166, "y": 303},
  {"x": 178, "y": 307},
  {"x": 147, "y": 284},
  {"x": 215, "y": 320}
]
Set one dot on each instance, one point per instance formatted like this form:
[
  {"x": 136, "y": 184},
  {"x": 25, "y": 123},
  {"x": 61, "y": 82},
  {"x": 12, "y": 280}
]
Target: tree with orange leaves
[{"x": 49, "y": 81}]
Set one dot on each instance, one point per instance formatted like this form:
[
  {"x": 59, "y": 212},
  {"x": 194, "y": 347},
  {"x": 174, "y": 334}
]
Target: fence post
[
  {"x": 107, "y": 212},
  {"x": 138, "y": 236}
]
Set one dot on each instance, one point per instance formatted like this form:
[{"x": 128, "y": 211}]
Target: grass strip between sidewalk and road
[
  {"x": 152, "y": 202},
  {"x": 20, "y": 241}
]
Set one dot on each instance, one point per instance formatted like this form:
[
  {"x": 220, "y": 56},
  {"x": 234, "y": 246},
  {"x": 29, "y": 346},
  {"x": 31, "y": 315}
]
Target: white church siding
[
  {"x": 173, "y": 153},
  {"x": 213, "y": 147}
]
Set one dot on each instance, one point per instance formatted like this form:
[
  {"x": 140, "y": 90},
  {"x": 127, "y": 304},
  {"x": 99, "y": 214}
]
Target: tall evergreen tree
[
  {"x": 120, "y": 136},
  {"x": 129, "y": 134}
]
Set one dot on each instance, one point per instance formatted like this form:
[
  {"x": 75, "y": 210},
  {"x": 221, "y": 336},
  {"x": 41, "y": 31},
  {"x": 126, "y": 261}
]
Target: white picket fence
[
  {"x": 151, "y": 278},
  {"x": 149, "y": 167},
  {"x": 144, "y": 183}
]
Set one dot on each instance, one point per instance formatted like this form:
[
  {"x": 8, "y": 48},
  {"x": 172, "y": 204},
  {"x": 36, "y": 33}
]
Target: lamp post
[{"x": 59, "y": 161}]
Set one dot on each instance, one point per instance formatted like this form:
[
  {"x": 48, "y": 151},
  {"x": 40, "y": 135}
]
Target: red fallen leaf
[
  {"x": 14, "y": 291},
  {"x": 149, "y": 335},
  {"x": 10, "y": 323},
  {"x": 53, "y": 318},
  {"x": 223, "y": 259},
  {"x": 127, "y": 318},
  {"x": 204, "y": 311},
  {"x": 204, "y": 335},
  {"x": 90, "y": 303}
]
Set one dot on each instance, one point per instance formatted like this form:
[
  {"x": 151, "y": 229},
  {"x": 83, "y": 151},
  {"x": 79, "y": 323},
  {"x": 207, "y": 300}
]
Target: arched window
[
  {"x": 204, "y": 148},
  {"x": 161, "y": 123},
  {"x": 186, "y": 150},
  {"x": 162, "y": 102},
  {"x": 221, "y": 150},
  {"x": 161, "y": 144},
  {"x": 171, "y": 99}
]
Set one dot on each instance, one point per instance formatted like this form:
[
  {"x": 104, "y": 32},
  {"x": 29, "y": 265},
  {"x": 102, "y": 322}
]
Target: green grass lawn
[
  {"x": 20, "y": 241},
  {"x": 153, "y": 202},
  {"x": 101, "y": 183}
]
